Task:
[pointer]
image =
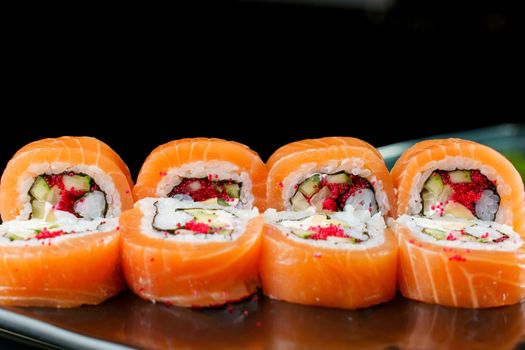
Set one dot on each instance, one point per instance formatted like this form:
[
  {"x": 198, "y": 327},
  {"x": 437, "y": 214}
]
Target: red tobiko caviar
[
  {"x": 467, "y": 194},
  {"x": 330, "y": 204},
  {"x": 197, "y": 227},
  {"x": 66, "y": 196},
  {"x": 45, "y": 233},
  {"x": 163, "y": 173},
  {"x": 457, "y": 258},
  {"x": 55, "y": 180},
  {"x": 339, "y": 192},
  {"x": 203, "y": 189},
  {"x": 322, "y": 233}
]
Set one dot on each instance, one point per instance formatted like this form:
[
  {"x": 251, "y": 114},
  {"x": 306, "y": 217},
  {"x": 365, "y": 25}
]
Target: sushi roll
[
  {"x": 190, "y": 254},
  {"x": 329, "y": 174},
  {"x": 461, "y": 216},
  {"x": 59, "y": 242},
  {"x": 204, "y": 170},
  {"x": 329, "y": 245}
]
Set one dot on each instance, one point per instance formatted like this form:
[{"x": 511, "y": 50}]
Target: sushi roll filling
[
  {"x": 322, "y": 227},
  {"x": 64, "y": 224},
  {"x": 452, "y": 231},
  {"x": 334, "y": 192},
  {"x": 190, "y": 221},
  {"x": 357, "y": 228},
  {"x": 210, "y": 189},
  {"x": 466, "y": 194},
  {"x": 193, "y": 221},
  {"x": 75, "y": 193}
]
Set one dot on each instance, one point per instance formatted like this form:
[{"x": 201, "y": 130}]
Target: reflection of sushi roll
[
  {"x": 461, "y": 215},
  {"x": 155, "y": 326},
  {"x": 436, "y": 327},
  {"x": 190, "y": 254},
  {"x": 334, "y": 251},
  {"x": 60, "y": 244},
  {"x": 292, "y": 326},
  {"x": 200, "y": 169},
  {"x": 329, "y": 173}
]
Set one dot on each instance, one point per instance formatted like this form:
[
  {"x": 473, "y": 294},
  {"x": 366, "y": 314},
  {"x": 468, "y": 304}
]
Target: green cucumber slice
[
  {"x": 460, "y": 176},
  {"x": 310, "y": 185},
  {"x": 340, "y": 178},
  {"x": 77, "y": 182},
  {"x": 232, "y": 190},
  {"x": 39, "y": 189},
  {"x": 434, "y": 184}
]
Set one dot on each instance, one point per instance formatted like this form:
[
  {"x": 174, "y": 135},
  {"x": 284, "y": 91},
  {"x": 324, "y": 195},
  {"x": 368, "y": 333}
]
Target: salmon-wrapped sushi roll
[
  {"x": 190, "y": 254},
  {"x": 330, "y": 246},
  {"x": 201, "y": 169},
  {"x": 60, "y": 200},
  {"x": 461, "y": 214}
]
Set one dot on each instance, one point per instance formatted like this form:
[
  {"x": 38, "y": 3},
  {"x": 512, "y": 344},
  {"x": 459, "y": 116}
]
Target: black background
[{"x": 258, "y": 72}]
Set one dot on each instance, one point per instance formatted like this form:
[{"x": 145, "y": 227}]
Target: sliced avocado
[
  {"x": 431, "y": 198},
  {"x": 77, "y": 182},
  {"x": 53, "y": 196},
  {"x": 468, "y": 238},
  {"x": 232, "y": 190},
  {"x": 437, "y": 234},
  {"x": 224, "y": 232},
  {"x": 19, "y": 235},
  {"x": 434, "y": 184},
  {"x": 222, "y": 201},
  {"x": 340, "y": 178},
  {"x": 203, "y": 216},
  {"x": 39, "y": 209},
  {"x": 310, "y": 185},
  {"x": 302, "y": 233},
  {"x": 318, "y": 198},
  {"x": 460, "y": 176},
  {"x": 319, "y": 219},
  {"x": 40, "y": 188},
  {"x": 299, "y": 202},
  {"x": 458, "y": 210},
  {"x": 341, "y": 239}
]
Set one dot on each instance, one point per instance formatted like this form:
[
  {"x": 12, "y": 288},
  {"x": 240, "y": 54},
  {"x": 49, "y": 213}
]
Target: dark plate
[
  {"x": 261, "y": 323},
  {"x": 128, "y": 321}
]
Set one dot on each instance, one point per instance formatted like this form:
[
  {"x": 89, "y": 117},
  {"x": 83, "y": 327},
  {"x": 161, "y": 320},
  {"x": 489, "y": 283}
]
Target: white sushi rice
[
  {"x": 73, "y": 226},
  {"x": 355, "y": 166},
  {"x": 218, "y": 169},
  {"x": 475, "y": 227},
  {"x": 102, "y": 179},
  {"x": 358, "y": 220},
  {"x": 237, "y": 221},
  {"x": 503, "y": 216}
]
